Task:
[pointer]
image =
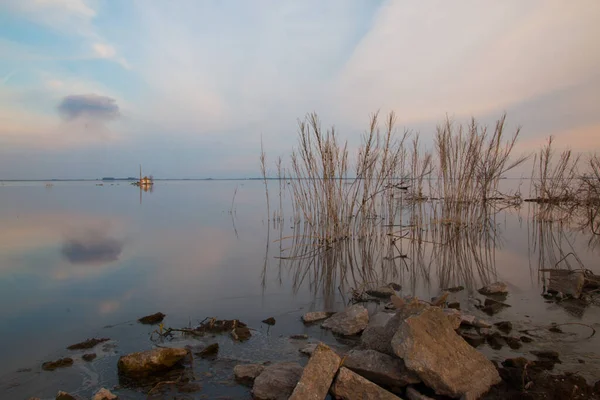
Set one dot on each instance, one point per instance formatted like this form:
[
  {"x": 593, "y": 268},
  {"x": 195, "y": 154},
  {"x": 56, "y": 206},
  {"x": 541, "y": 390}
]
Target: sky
[{"x": 187, "y": 88}]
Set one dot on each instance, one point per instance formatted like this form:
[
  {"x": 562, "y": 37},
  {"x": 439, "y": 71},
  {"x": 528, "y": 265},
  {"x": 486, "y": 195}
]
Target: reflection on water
[{"x": 79, "y": 258}]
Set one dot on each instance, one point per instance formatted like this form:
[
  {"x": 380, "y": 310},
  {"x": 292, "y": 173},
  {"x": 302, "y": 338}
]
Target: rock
[
  {"x": 414, "y": 394},
  {"x": 247, "y": 373},
  {"x": 144, "y": 363},
  {"x": 504, "y": 326},
  {"x": 317, "y": 375},
  {"x": 526, "y": 339},
  {"x": 382, "y": 292},
  {"x": 87, "y": 344},
  {"x": 471, "y": 320},
  {"x": 60, "y": 363},
  {"x": 64, "y": 396},
  {"x": 473, "y": 339},
  {"x": 269, "y": 321},
  {"x": 440, "y": 300},
  {"x": 398, "y": 287},
  {"x": 308, "y": 349},
  {"x": 241, "y": 333},
  {"x": 351, "y": 386},
  {"x": 303, "y": 336},
  {"x": 380, "y": 368},
  {"x": 442, "y": 359},
  {"x": 512, "y": 342},
  {"x": 455, "y": 289},
  {"x": 209, "y": 351},
  {"x": 104, "y": 394},
  {"x": 454, "y": 305},
  {"x": 349, "y": 322},
  {"x": 494, "y": 288},
  {"x": 315, "y": 316},
  {"x": 546, "y": 355},
  {"x": 152, "y": 319},
  {"x": 454, "y": 316},
  {"x": 569, "y": 283},
  {"x": 89, "y": 356},
  {"x": 277, "y": 381},
  {"x": 494, "y": 340}
]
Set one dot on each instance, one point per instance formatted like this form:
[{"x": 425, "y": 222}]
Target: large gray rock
[
  {"x": 317, "y": 375},
  {"x": 247, "y": 373},
  {"x": 315, "y": 316},
  {"x": 494, "y": 288},
  {"x": 351, "y": 321},
  {"x": 144, "y": 363},
  {"x": 380, "y": 368},
  {"x": 351, "y": 386},
  {"x": 277, "y": 381},
  {"x": 442, "y": 359}
]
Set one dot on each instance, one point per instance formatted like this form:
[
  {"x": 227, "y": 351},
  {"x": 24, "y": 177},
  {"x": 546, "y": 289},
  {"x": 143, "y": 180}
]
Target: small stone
[
  {"x": 88, "y": 357},
  {"x": 315, "y": 316},
  {"x": 269, "y": 321},
  {"x": 492, "y": 307},
  {"x": 454, "y": 305},
  {"x": 60, "y": 363},
  {"x": 141, "y": 364},
  {"x": 317, "y": 375},
  {"x": 349, "y": 385},
  {"x": 349, "y": 322},
  {"x": 504, "y": 326},
  {"x": 512, "y": 342},
  {"x": 277, "y": 381},
  {"x": 302, "y": 336},
  {"x": 494, "y": 341},
  {"x": 210, "y": 351},
  {"x": 87, "y": 344},
  {"x": 526, "y": 339},
  {"x": 152, "y": 319},
  {"x": 546, "y": 355},
  {"x": 494, "y": 288},
  {"x": 247, "y": 373},
  {"x": 104, "y": 394}
]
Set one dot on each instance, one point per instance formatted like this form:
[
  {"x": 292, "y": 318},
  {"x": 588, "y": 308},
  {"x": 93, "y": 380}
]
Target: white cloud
[{"x": 104, "y": 50}]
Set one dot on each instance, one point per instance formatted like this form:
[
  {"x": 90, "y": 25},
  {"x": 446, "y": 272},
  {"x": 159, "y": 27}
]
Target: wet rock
[
  {"x": 247, "y": 373},
  {"x": 471, "y": 320},
  {"x": 209, "y": 351},
  {"x": 504, "y": 326},
  {"x": 152, "y": 319},
  {"x": 398, "y": 287},
  {"x": 383, "y": 292},
  {"x": 308, "y": 349},
  {"x": 414, "y": 394},
  {"x": 303, "y": 336},
  {"x": 454, "y": 316},
  {"x": 315, "y": 316},
  {"x": 190, "y": 387},
  {"x": 442, "y": 359},
  {"x": 512, "y": 342},
  {"x": 380, "y": 368},
  {"x": 472, "y": 338},
  {"x": 317, "y": 375},
  {"x": 494, "y": 340},
  {"x": 351, "y": 386},
  {"x": 494, "y": 288},
  {"x": 455, "y": 289},
  {"x": 492, "y": 307},
  {"x": 144, "y": 363},
  {"x": 569, "y": 283},
  {"x": 89, "y": 357},
  {"x": 241, "y": 333},
  {"x": 349, "y": 322},
  {"x": 104, "y": 394},
  {"x": 87, "y": 344},
  {"x": 269, "y": 321},
  {"x": 547, "y": 355},
  {"x": 440, "y": 300},
  {"x": 60, "y": 363},
  {"x": 277, "y": 381},
  {"x": 65, "y": 396},
  {"x": 454, "y": 305}
]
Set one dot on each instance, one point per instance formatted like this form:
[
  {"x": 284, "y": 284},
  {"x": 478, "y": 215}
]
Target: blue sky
[{"x": 92, "y": 88}]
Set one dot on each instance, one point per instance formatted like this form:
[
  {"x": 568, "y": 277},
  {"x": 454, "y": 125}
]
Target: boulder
[
  {"x": 315, "y": 316},
  {"x": 104, "y": 394},
  {"x": 414, "y": 394},
  {"x": 494, "y": 288},
  {"x": 308, "y": 349},
  {"x": 317, "y": 375},
  {"x": 380, "y": 368},
  {"x": 247, "y": 373},
  {"x": 569, "y": 283},
  {"x": 440, "y": 300},
  {"x": 441, "y": 358},
  {"x": 144, "y": 363},
  {"x": 351, "y": 386},
  {"x": 349, "y": 322},
  {"x": 454, "y": 316},
  {"x": 277, "y": 381}
]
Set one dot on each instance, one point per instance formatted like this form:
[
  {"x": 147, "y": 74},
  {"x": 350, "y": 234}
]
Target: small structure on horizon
[{"x": 145, "y": 181}]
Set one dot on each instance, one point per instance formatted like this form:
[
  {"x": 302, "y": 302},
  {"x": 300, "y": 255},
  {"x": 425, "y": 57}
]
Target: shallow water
[{"x": 79, "y": 260}]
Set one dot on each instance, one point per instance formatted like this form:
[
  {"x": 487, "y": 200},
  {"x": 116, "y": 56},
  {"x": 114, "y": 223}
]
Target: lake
[{"x": 78, "y": 260}]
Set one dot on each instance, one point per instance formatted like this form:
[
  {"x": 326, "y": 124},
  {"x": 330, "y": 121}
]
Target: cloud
[
  {"x": 104, "y": 50},
  {"x": 89, "y": 106}
]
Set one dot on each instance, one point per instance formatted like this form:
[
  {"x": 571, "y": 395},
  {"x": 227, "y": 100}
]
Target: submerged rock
[
  {"x": 315, "y": 316},
  {"x": 104, "y": 394},
  {"x": 209, "y": 351},
  {"x": 87, "y": 344},
  {"x": 442, "y": 359},
  {"x": 504, "y": 326},
  {"x": 144, "y": 363},
  {"x": 380, "y": 368},
  {"x": 494, "y": 288},
  {"x": 60, "y": 363},
  {"x": 152, "y": 319},
  {"x": 247, "y": 373},
  {"x": 277, "y": 381},
  {"x": 349, "y": 386},
  {"x": 89, "y": 357},
  {"x": 269, "y": 321},
  {"x": 349, "y": 322},
  {"x": 241, "y": 333},
  {"x": 65, "y": 396},
  {"x": 317, "y": 375},
  {"x": 492, "y": 307}
]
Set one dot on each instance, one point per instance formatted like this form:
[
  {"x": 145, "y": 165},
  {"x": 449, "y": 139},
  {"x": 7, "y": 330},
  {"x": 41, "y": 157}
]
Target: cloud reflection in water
[{"x": 93, "y": 247}]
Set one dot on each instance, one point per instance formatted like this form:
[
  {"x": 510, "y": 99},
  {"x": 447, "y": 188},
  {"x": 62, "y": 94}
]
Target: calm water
[{"x": 79, "y": 260}]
